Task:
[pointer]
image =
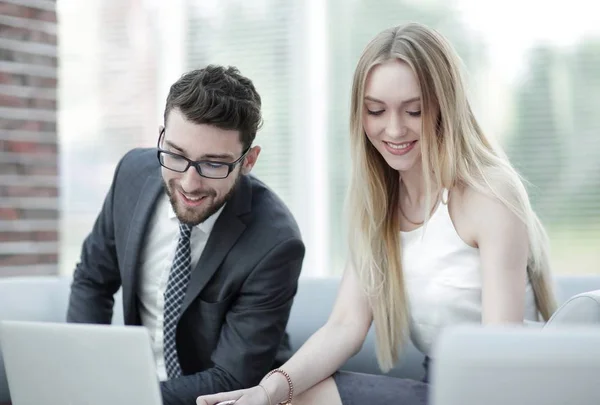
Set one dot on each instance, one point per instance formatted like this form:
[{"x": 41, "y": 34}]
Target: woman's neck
[{"x": 412, "y": 184}]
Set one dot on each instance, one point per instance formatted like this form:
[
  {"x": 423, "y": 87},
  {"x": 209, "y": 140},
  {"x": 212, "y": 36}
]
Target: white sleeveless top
[{"x": 443, "y": 279}]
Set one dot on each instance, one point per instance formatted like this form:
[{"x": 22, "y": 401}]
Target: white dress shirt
[{"x": 157, "y": 258}]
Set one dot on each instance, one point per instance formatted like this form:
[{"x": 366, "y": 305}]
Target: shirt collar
[{"x": 205, "y": 226}]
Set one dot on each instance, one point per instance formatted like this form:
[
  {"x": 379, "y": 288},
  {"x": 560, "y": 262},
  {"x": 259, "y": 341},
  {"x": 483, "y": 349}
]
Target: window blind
[{"x": 254, "y": 37}]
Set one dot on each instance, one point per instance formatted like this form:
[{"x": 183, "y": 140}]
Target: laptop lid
[
  {"x": 516, "y": 365},
  {"x": 78, "y": 364}
]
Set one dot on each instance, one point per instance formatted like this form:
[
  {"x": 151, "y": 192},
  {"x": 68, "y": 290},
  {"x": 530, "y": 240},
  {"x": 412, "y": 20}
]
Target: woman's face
[{"x": 392, "y": 113}]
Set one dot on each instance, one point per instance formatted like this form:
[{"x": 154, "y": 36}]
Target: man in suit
[{"x": 207, "y": 256}]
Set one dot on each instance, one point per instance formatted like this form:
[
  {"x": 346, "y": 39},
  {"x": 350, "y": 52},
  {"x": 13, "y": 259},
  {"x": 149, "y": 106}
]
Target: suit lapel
[
  {"x": 139, "y": 223},
  {"x": 223, "y": 237}
]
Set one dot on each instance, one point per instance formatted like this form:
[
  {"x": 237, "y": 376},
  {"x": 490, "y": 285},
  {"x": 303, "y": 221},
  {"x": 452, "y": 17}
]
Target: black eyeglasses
[{"x": 205, "y": 168}]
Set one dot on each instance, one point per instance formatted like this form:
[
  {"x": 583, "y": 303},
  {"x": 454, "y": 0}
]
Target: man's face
[{"x": 195, "y": 198}]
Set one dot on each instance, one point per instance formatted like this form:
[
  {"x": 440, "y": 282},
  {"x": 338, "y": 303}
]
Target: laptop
[
  {"x": 477, "y": 365},
  {"x": 78, "y": 364}
]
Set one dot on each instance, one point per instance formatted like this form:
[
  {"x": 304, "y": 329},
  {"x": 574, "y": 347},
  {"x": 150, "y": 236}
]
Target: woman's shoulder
[
  {"x": 487, "y": 205},
  {"x": 494, "y": 188}
]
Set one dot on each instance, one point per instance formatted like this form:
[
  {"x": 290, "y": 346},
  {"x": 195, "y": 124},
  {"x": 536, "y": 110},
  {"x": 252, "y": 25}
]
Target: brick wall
[{"x": 28, "y": 139}]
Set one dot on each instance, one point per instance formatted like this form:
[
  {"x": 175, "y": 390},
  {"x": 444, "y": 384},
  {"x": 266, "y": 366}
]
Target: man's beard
[{"x": 191, "y": 216}]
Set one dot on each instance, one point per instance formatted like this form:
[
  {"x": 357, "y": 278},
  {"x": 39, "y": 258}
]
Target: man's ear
[
  {"x": 250, "y": 159},
  {"x": 161, "y": 128}
]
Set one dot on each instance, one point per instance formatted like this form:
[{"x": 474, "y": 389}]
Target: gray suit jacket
[{"x": 235, "y": 311}]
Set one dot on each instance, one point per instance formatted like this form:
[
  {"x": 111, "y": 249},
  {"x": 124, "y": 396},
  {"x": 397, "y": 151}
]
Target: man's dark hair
[{"x": 219, "y": 96}]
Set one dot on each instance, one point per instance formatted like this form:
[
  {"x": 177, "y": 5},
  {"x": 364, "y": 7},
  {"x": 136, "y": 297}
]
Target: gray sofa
[{"x": 45, "y": 299}]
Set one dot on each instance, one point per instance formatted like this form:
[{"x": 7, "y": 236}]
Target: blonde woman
[{"x": 441, "y": 230}]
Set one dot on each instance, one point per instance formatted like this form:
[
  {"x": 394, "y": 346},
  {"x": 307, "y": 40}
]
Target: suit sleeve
[
  {"x": 96, "y": 277},
  {"x": 253, "y": 329}
]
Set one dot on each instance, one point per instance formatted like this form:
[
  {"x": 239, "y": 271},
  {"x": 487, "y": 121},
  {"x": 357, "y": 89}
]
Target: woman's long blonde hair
[{"x": 454, "y": 152}]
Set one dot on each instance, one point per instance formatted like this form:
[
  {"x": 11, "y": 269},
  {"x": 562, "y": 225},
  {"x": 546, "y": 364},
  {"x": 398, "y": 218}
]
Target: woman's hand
[{"x": 251, "y": 396}]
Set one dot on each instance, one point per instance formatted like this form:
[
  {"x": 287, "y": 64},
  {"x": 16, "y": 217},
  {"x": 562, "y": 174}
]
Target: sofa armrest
[{"x": 582, "y": 309}]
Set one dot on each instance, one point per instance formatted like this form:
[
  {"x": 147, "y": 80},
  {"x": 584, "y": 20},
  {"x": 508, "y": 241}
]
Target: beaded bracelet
[{"x": 289, "y": 381}]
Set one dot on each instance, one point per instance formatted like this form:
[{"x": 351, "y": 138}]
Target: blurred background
[{"x": 82, "y": 82}]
